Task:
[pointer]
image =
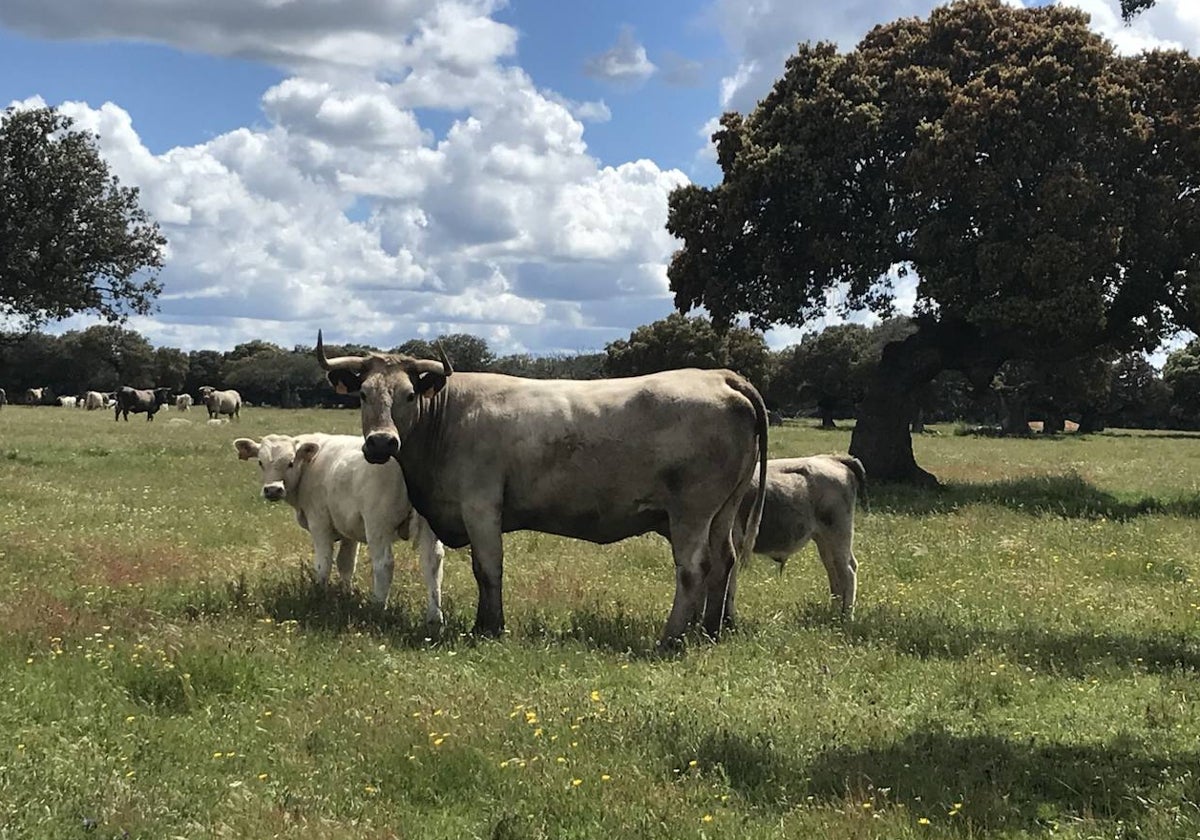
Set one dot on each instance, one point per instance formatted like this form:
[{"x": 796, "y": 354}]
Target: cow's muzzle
[
  {"x": 273, "y": 492},
  {"x": 380, "y": 447}
]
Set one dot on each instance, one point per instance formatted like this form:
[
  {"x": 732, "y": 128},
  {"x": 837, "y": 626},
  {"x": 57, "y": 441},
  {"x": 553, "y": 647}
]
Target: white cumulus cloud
[
  {"x": 344, "y": 212},
  {"x": 624, "y": 63}
]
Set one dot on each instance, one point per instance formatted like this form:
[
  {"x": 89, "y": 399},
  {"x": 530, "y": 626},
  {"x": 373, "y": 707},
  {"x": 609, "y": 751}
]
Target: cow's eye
[
  {"x": 411, "y": 397},
  {"x": 291, "y": 464}
]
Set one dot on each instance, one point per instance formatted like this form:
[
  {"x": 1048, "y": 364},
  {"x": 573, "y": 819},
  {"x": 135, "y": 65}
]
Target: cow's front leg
[
  {"x": 487, "y": 562},
  {"x": 347, "y": 558}
]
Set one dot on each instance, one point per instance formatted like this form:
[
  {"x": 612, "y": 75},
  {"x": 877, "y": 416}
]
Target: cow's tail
[
  {"x": 860, "y": 477},
  {"x": 750, "y": 532}
]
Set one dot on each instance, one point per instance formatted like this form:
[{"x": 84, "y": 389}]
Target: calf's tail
[{"x": 860, "y": 478}]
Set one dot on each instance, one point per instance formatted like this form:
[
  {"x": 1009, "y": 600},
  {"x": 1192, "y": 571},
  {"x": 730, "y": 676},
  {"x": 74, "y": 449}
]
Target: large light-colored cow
[
  {"x": 93, "y": 400},
  {"x": 221, "y": 402},
  {"x": 183, "y": 402},
  {"x": 599, "y": 460},
  {"x": 339, "y": 496},
  {"x": 812, "y": 499}
]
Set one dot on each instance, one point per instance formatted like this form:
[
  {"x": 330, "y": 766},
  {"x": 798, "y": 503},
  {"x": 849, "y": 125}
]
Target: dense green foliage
[
  {"x": 1023, "y": 661},
  {"x": 1041, "y": 188},
  {"x": 1132, "y": 8},
  {"x": 679, "y": 341},
  {"x": 72, "y": 238}
]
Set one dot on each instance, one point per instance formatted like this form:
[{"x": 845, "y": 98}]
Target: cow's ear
[
  {"x": 246, "y": 448},
  {"x": 428, "y": 383},
  {"x": 307, "y": 451},
  {"x": 345, "y": 381}
]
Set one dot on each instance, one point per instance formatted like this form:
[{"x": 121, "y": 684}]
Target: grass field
[{"x": 1023, "y": 662}]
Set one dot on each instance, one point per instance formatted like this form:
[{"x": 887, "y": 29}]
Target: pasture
[{"x": 1023, "y": 662}]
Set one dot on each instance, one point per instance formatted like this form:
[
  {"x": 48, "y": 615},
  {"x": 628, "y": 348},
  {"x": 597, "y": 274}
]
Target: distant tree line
[
  {"x": 825, "y": 375},
  {"x": 105, "y": 357}
]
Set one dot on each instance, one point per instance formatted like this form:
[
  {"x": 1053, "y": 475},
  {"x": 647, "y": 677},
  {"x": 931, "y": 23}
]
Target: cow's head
[
  {"x": 281, "y": 459},
  {"x": 162, "y": 396},
  {"x": 391, "y": 389}
]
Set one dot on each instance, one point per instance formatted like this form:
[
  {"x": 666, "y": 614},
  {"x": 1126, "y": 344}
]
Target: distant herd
[
  {"x": 126, "y": 400},
  {"x": 459, "y": 459}
]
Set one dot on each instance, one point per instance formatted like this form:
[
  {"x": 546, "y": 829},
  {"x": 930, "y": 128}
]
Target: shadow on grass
[
  {"x": 1004, "y": 784},
  {"x": 1074, "y": 654},
  {"x": 318, "y": 609},
  {"x": 1068, "y": 495},
  {"x": 328, "y": 610},
  {"x": 615, "y": 630}
]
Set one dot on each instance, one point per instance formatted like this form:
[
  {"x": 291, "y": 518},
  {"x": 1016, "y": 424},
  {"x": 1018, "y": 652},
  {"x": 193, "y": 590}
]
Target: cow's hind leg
[
  {"x": 347, "y": 557},
  {"x": 689, "y": 546},
  {"x": 725, "y": 535}
]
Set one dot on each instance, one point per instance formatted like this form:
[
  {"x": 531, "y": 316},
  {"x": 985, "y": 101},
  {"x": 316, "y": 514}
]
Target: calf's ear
[
  {"x": 246, "y": 448},
  {"x": 345, "y": 381},
  {"x": 307, "y": 451}
]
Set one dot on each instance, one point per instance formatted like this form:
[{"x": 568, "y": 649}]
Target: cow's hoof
[{"x": 489, "y": 631}]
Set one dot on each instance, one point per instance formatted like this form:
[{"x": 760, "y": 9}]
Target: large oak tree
[
  {"x": 1041, "y": 188},
  {"x": 72, "y": 238}
]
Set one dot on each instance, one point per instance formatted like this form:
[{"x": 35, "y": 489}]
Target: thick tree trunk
[
  {"x": 881, "y": 438},
  {"x": 826, "y": 414},
  {"x": 918, "y": 422},
  {"x": 1091, "y": 422},
  {"x": 1053, "y": 423},
  {"x": 1016, "y": 415}
]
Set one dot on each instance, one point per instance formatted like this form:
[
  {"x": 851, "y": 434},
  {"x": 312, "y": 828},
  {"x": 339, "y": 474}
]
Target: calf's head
[
  {"x": 390, "y": 389},
  {"x": 281, "y": 459}
]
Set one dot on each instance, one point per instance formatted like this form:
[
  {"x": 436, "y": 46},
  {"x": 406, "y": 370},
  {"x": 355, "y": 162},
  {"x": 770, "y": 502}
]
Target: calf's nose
[
  {"x": 380, "y": 446},
  {"x": 273, "y": 492}
]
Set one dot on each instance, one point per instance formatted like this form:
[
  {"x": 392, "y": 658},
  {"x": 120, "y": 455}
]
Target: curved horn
[
  {"x": 338, "y": 362},
  {"x": 425, "y": 366},
  {"x": 442, "y": 368},
  {"x": 445, "y": 359}
]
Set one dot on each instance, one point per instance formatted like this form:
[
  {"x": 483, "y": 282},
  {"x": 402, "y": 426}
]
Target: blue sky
[{"x": 390, "y": 168}]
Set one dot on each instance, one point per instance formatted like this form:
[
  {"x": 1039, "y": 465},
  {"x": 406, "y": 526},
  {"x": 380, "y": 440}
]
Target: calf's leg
[
  {"x": 322, "y": 540},
  {"x": 432, "y": 554},
  {"x": 383, "y": 567},
  {"x": 835, "y": 548},
  {"x": 347, "y": 557}
]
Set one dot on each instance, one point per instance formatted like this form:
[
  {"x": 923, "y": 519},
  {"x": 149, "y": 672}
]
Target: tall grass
[{"x": 1023, "y": 661}]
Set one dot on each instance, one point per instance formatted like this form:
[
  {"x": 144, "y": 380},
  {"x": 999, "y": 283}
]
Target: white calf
[
  {"x": 338, "y": 495},
  {"x": 813, "y": 498},
  {"x": 183, "y": 402}
]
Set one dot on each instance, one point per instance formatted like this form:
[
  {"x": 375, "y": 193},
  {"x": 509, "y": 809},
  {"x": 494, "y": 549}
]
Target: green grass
[{"x": 1023, "y": 662}]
